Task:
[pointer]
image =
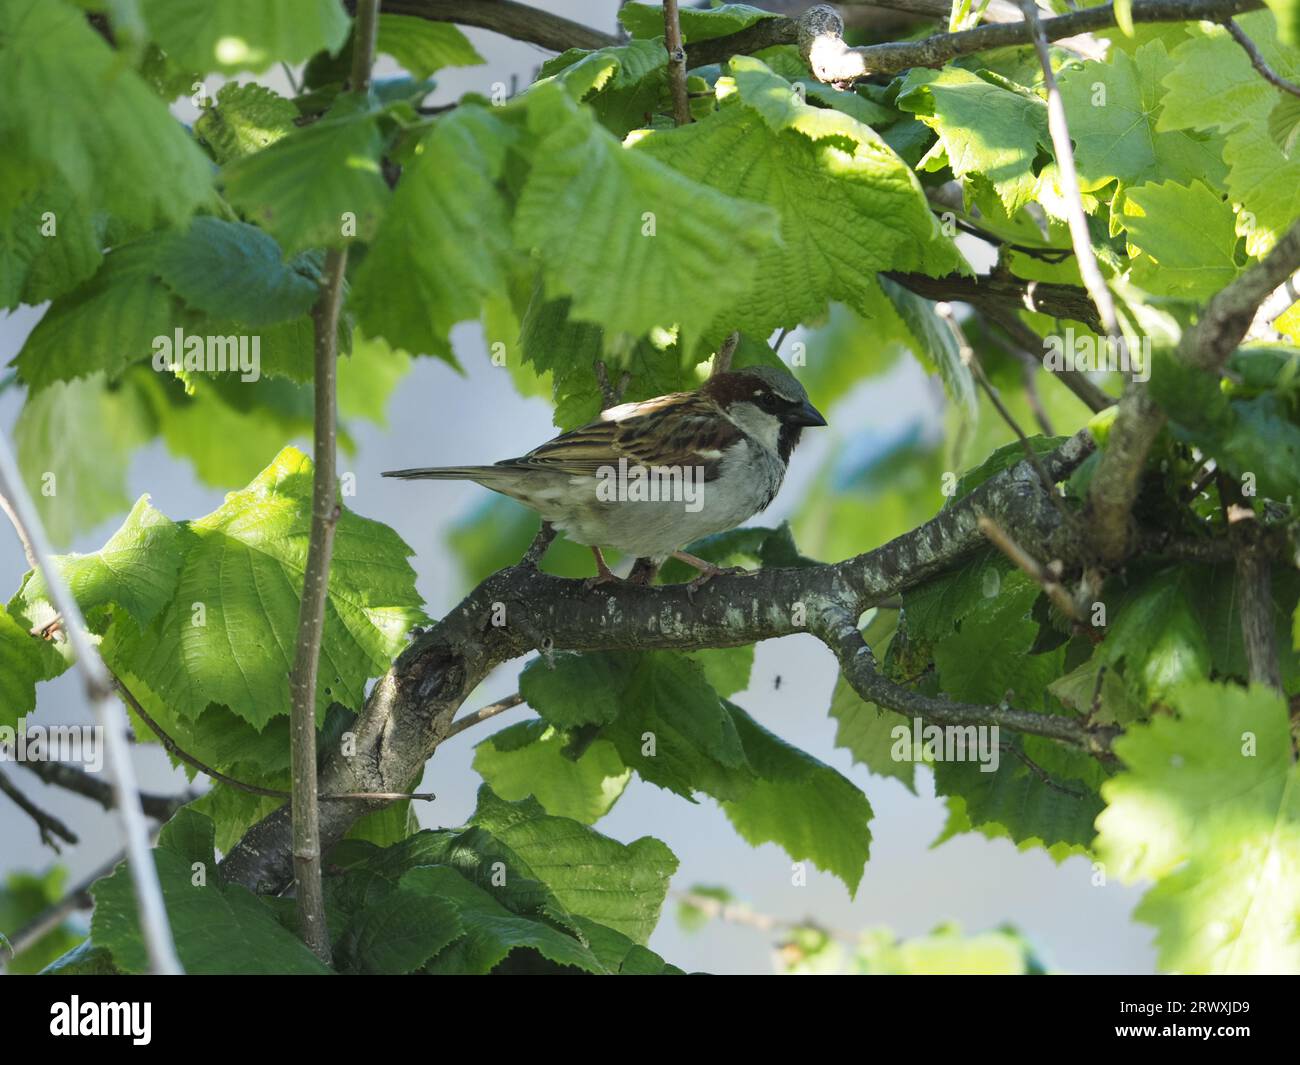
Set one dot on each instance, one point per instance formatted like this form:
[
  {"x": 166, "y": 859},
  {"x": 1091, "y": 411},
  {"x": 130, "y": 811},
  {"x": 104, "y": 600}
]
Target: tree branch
[
  {"x": 1138, "y": 422},
  {"x": 518, "y": 21},
  {"x": 410, "y": 710},
  {"x": 1258, "y": 61},
  {"x": 676, "y": 64},
  {"x": 71, "y": 778},
  {"x": 108, "y": 712},
  {"x": 50, "y": 827},
  {"x": 320, "y": 548}
]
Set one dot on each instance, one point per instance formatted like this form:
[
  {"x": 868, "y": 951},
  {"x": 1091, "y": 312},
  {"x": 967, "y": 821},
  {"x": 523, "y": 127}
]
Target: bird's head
[{"x": 767, "y": 403}]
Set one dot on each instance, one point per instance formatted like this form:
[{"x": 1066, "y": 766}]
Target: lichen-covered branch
[{"x": 411, "y": 709}]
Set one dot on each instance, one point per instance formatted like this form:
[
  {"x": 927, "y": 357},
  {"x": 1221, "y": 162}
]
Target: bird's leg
[
  {"x": 604, "y": 575},
  {"x": 708, "y": 570},
  {"x": 643, "y": 572},
  {"x": 533, "y": 556}
]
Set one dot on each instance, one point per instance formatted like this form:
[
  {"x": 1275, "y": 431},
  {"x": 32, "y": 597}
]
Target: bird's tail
[{"x": 444, "y": 473}]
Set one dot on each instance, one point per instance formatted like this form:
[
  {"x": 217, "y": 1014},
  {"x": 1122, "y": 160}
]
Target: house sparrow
[{"x": 649, "y": 478}]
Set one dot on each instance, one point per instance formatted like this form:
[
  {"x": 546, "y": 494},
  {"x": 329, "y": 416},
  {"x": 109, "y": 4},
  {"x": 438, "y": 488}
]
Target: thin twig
[
  {"x": 969, "y": 358},
  {"x": 1038, "y": 771},
  {"x": 1050, "y": 581},
  {"x": 741, "y": 914},
  {"x": 483, "y": 713},
  {"x": 676, "y": 64},
  {"x": 1029, "y": 380},
  {"x": 1258, "y": 61},
  {"x": 611, "y": 394},
  {"x": 50, "y": 827},
  {"x": 77, "y": 898},
  {"x": 1254, "y": 586},
  {"x": 1063, "y": 147},
  {"x": 108, "y": 712},
  {"x": 1023, "y": 337},
  {"x": 722, "y": 360},
  {"x": 76, "y": 780},
  {"x": 325, "y": 512}
]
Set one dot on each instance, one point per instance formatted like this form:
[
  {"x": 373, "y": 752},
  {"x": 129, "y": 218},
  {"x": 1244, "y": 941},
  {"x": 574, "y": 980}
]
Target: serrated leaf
[
  {"x": 984, "y": 128},
  {"x": 244, "y": 120},
  {"x": 234, "y": 271},
  {"x": 804, "y": 806},
  {"x": 697, "y": 24},
  {"x": 103, "y": 325},
  {"x": 528, "y": 759},
  {"x": 622, "y": 886},
  {"x": 245, "y": 565},
  {"x": 589, "y": 201},
  {"x": 75, "y": 488},
  {"x": 398, "y": 933},
  {"x": 114, "y": 143},
  {"x": 1188, "y": 236},
  {"x": 321, "y": 185},
  {"x": 848, "y": 205},
  {"x": 423, "y": 47},
  {"x": 1209, "y": 808},
  {"x": 136, "y": 570},
  {"x": 24, "y": 660},
  {"x": 1118, "y": 139},
  {"x": 444, "y": 244},
  {"x": 234, "y": 35}
]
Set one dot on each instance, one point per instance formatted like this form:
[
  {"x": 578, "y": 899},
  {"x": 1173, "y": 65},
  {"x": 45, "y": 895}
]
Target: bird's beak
[{"x": 805, "y": 415}]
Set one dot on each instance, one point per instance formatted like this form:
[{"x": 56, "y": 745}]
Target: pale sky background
[{"x": 439, "y": 417}]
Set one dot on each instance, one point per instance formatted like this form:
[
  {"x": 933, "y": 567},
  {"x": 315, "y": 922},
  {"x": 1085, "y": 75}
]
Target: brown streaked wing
[{"x": 669, "y": 430}]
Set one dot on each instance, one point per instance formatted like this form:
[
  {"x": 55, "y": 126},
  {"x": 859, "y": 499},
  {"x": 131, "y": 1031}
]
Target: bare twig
[
  {"x": 1138, "y": 421},
  {"x": 676, "y": 64},
  {"x": 1258, "y": 61},
  {"x": 1042, "y": 774},
  {"x": 1044, "y": 575},
  {"x": 483, "y": 713},
  {"x": 77, "y": 780},
  {"x": 108, "y": 712},
  {"x": 722, "y": 360},
  {"x": 968, "y": 356},
  {"x": 324, "y": 517},
  {"x": 50, "y": 827},
  {"x": 611, "y": 394},
  {"x": 1063, "y": 148},
  {"x": 1031, "y": 344},
  {"x": 77, "y": 898},
  {"x": 1254, "y": 586}
]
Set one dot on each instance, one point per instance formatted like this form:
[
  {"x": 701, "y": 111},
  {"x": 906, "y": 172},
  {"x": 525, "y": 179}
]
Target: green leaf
[
  {"x": 114, "y": 143},
  {"x": 75, "y": 488},
  {"x": 697, "y": 24},
  {"x": 848, "y": 205},
  {"x": 727, "y": 669},
  {"x": 244, "y": 120},
  {"x": 528, "y": 759},
  {"x": 398, "y": 933},
  {"x": 984, "y": 127},
  {"x": 105, "y": 324},
  {"x": 218, "y": 930},
  {"x": 321, "y": 185},
  {"x": 444, "y": 244},
  {"x": 866, "y": 731},
  {"x": 588, "y": 201},
  {"x": 622, "y": 886},
  {"x": 1115, "y": 127},
  {"x": 570, "y": 690},
  {"x": 24, "y": 660},
  {"x": 136, "y": 570},
  {"x": 491, "y": 931},
  {"x": 51, "y": 246},
  {"x": 233, "y": 35},
  {"x": 1158, "y": 637},
  {"x": 23, "y": 898},
  {"x": 801, "y": 804},
  {"x": 1187, "y": 235},
  {"x": 623, "y": 83},
  {"x": 244, "y": 567},
  {"x": 423, "y": 47},
  {"x": 620, "y": 955},
  {"x": 1209, "y": 808},
  {"x": 234, "y": 271}
]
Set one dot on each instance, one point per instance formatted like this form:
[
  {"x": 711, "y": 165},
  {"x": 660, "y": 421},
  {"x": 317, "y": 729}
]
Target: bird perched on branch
[{"x": 649, "y": 478}]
